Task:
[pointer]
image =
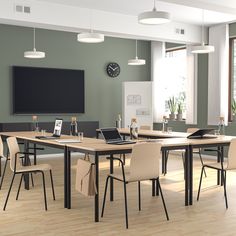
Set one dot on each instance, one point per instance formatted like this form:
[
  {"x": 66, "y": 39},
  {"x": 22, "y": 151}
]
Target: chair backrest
[
  {"x": 1, "y": 148},
  {"x": 232, "y": 155},
  {"x": 145, "y": 127},
  {"x": 13, "y": 149},
  {"x": 144, "y": 163},
  {"x": 192, "y": 130}
]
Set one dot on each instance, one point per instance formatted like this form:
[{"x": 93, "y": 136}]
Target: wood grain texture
[{"x": 206, "y": 217}]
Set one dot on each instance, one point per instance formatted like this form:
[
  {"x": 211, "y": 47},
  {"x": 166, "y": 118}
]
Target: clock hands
[{"x": 111, "y": 67}]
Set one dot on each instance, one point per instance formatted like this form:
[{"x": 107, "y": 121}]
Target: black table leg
[
  {"x": 65, "y": 176},
  {"x": 26, "y": 162},
  {"x": 186, "y": 175},
  {"x": 69, "y": 179},
  {"x": 163, "y": 162},
  {"x": 190, "y": 167},
  {"x": 35, "y": 158},
  {"x": 153, "y": 187},
  {"x": 96, "y": 198},
  {"x": 218, "y": 171},
  {"x": 111, "y": 179}
]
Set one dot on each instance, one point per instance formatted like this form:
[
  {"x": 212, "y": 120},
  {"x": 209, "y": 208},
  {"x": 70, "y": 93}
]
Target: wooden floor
[{"x": 206, "y": 217}]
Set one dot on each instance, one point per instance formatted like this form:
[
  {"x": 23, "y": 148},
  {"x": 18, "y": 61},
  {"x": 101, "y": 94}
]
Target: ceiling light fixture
[
  {"x": 34, "y": 54},
  {"x": 200, "y": 49},
  {"x": 136, "y": 61},
  {"x": 154, "y": 17},
  {"x": 90, "y": 37}
]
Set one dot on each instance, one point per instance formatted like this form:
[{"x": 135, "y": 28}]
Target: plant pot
[
  {"x": 179, "y": 116},
  {"x": 172, "y": 116}
]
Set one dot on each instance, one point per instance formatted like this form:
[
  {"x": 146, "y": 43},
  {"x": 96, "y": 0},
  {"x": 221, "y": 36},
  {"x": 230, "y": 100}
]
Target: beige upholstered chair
[
  {"x": 223, "y": 167},
  {"x": 143, "y": 155},
  {"x": 6, "y": 161},
  {"x": 17, "y": 168}
]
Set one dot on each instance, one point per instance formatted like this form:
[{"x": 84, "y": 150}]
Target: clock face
[{"x": 113, "y": 69}]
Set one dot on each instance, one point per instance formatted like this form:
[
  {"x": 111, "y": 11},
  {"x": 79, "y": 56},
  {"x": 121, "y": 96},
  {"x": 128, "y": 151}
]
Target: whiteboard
[{"x": 137, "y": 102}]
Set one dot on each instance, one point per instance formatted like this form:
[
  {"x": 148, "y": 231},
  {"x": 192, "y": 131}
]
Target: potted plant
[
  {"x": 179, "y": 115},
  {"x": 172, "y": 107},
  {"x": 233, "y": 107}
]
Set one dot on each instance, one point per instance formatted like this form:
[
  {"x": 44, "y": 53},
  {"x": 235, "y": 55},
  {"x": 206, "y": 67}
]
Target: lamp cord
[
  {"x": 203, "y": 27},
  {"x": 34, "y": 40}
]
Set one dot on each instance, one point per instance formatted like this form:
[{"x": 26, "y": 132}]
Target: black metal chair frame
[
  {"x": 223, "y": 175},
  {"x": 7, "y": 159},
  {"x": 15, "y": 172},
  {"x": 125, "y": 193}
]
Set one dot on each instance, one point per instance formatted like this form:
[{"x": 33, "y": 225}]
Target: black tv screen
[{"x": 47, "y": 90}]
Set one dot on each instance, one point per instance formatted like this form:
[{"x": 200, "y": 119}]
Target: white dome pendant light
[
  {"x": 34, "y": 54},
  {"x": 154, "y": 17},
  {"x": 136, "y": 61},
  {"x": 200, "y": 49},
  {"x": 90, "y": 37}
]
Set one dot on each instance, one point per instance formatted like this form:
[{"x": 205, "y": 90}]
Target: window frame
[{"x": 230, "y": 97}]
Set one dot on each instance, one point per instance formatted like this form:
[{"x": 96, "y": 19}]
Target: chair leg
[
  {"x": 0, "y": 166},
  {"x": 18, "y": 191},
  {"x": 162, "y": 198},
  {"x": 8, "y": 194},
  {"x": 225, "y": 194},
  {"x": 44, "y": 191},
  {"x": 139, "y": 196},
  {"x": 105, "y": 194},
  {"x": 53, "y": 192},
  {"x": 126, "y": 209},
  {"x": 200, "y": 156},
  {"x": 3, "y": 173},
  {"x": 200, "y": 183}
]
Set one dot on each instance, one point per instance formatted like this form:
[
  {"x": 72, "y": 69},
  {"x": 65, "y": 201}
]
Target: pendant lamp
[
  {"x": 200, "y": 49},
  {"x": 90, "y": 37},
  {"x": 154, "y": 17},
  {"x": 34, "y": 54},
  {"x": 136, "y": 61}
]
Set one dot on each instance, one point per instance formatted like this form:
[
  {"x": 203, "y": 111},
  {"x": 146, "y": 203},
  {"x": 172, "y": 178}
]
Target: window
[
  {"x": 232, "y": 74},
  {"x": 175, "y": 82}
]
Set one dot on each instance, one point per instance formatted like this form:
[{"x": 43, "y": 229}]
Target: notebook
[
  {"x": 56, "y": 131},
  {"x": 201, "y": 134},
  {"x": 112, "y": 136}
]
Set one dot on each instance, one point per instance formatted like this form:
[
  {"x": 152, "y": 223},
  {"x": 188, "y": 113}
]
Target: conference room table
[{"x": 98, "y": 148}]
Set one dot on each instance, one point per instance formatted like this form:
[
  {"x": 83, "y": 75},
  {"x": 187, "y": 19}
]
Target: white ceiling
[{"x": 187, "y": 11}]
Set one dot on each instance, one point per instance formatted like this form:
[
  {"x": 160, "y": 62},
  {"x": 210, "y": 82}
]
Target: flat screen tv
[{"x": 39, "y": 90}]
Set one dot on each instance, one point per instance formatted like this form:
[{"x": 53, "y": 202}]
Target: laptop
[
  {"x": 112, "y": 136},
  {"x": 201, "y": 133},
  {"x": 56, "y": 131}
]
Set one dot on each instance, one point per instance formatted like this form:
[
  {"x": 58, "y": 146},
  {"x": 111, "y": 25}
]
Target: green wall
[{"x": 103, "y": 95}]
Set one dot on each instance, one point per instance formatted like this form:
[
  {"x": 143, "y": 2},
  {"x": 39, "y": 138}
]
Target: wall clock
[{"x": 113, "y": 69}]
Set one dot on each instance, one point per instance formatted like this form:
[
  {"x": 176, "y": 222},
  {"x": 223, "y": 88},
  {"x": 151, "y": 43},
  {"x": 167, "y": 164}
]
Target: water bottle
[
  {"x": 73, "y": 127},
  {"x": 164, "y": 124},
  {"x": 118, "y": 122},
  {"x": 35, "y": 123},
  {"x": 221, "y": 126},
  {"x": 133, "y": 129}
]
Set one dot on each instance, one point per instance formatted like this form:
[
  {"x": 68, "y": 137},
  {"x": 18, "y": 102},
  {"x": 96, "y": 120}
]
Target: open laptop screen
[
  {"x": 110, "y": 134},
  {"x": 200, "y": 134},
  {"x": 57, "y": 127}
]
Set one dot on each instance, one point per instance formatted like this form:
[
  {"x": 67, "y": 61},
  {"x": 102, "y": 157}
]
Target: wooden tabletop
[{"x": 94, "y": 145}]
